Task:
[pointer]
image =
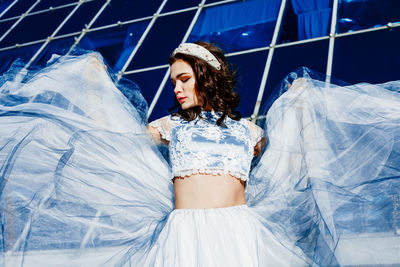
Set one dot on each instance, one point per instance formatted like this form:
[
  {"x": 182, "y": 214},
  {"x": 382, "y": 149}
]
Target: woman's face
[{"x": 185, "y": 90}]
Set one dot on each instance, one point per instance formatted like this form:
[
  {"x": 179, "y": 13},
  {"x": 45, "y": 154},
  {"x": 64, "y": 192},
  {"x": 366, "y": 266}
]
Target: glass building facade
[
  {"x": 351, "y": 40},
  {"x": 354, "y": 41}
]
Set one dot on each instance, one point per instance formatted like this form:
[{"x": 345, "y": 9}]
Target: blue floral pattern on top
[{"x": 201, "y": 146}]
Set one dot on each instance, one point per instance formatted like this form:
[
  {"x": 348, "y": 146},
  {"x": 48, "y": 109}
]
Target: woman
[
  {"x": 211, "y": 149},
  {"x": 216, "y": 101},
  {"x": 82, "y": 183}
]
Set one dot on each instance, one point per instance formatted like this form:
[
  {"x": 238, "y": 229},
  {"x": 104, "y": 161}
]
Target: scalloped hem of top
[{"x": 218, "y": 172}]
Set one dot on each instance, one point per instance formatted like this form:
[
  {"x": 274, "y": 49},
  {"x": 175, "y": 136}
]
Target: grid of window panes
[{"x": 354, "y": 41}]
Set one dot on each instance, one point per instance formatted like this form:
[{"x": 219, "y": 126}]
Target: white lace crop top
[{"x": 201, "y": 146}]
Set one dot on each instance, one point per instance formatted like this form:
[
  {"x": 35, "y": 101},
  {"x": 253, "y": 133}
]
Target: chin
[{"x": 187, "y": 106}]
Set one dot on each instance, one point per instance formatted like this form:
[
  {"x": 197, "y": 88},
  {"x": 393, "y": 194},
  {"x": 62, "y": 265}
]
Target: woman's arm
[
  {"x": 257, "y": 136},
  {"x": 160, "y": 130},
  {"x": 259, "y": 146},
  {"x": 156, "y": 135}
]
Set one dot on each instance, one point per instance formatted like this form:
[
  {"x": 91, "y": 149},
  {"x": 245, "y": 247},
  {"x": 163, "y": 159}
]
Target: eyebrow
[{"x": 179, "y": 75}]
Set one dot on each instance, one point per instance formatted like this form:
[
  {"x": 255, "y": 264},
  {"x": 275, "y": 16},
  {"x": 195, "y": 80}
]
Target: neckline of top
[{"x": 210, "y": 113}]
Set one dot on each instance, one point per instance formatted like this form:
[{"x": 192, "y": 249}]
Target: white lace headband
[{"x": 199, "y": 52}]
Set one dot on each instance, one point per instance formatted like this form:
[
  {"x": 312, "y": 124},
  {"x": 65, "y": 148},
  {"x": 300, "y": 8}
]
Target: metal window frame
[
  {"x": 118, "y": 24},
  {"x": 88, "y": 26},
  {"x": 51, "y": 37},
  {"x": 8, "y": 8},
  {"x": 167, "y": 73},
  {"x": 140, "y": 42},
  {"x": 331, "y": 41},
  {"x": 201, "y": 6},
  {"x": 19, "y": 20},
  {"x": 50, "y": 9},
  {"x": 269, "y": 61}
]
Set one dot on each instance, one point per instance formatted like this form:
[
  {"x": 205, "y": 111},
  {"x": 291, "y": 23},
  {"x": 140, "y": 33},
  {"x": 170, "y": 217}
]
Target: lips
[{"x": 181, "y": 99}]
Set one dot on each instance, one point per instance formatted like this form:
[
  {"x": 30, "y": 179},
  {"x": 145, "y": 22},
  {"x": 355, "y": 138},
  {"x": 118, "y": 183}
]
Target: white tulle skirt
[
  {"x": 83, "y": 184},
  {"x": 231, "y": 236}
]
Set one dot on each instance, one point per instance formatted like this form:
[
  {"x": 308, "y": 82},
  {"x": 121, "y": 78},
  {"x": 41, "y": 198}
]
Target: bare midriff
[{"x": 203, "y": 191}]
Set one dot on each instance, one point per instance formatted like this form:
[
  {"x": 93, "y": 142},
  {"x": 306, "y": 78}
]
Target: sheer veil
[{"x": 82, "y": 183}]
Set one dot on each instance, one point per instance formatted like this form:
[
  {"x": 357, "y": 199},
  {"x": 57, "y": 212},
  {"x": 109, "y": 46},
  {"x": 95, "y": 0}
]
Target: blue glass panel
[
  {"x": 122, "y": 10},
  {"x": 212, "y": 1},
  {"x": 233, "y": 29},
  {"x": 165, "y": 35},
  {"x": 289, "y": 28},
  {"x": 165, "y": 102},
  {"x": 9, "y": 56},
  {"x": 313, "y": 55},
  {"x": 20, "y": 7},
  {"x": 36, "y": 27},
  {"x": 59, "y": 47},
  {"x": 313, "y": 17},
  {"x": 82, "y": 16},
  {"x": 356, "y": 15},
  {"x": 173, "y": 5},
  {"x": 368, "y": 57},
  {"x": 250, "y": 68},
  {"x": 115, "y": 44},
  {"x": 4, "y": 4},
  {"x": 45, "y": 4},
  {"x": 5, "y": 25},
  {"x": 148, "y": 81}
]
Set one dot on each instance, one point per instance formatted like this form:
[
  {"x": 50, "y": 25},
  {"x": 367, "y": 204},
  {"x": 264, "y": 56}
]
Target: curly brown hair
[{"x": 215, "y": 87}]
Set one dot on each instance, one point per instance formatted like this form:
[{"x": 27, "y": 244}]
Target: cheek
[
  {"x": 196, "y": 95},
  {"x": 198, "y": 99},
  {"x": 191, "y": 90}
]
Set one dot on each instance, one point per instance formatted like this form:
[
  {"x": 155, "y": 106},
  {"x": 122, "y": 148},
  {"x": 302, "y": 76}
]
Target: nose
[{"x": 178, "y": 88}]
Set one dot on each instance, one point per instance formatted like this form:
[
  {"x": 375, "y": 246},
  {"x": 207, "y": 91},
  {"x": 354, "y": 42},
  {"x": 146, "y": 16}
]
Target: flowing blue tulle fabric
[
  {"x": 83, "y": 184},
  {"x": 78, "y": 171},
  {"x": 330, "y": 175}
]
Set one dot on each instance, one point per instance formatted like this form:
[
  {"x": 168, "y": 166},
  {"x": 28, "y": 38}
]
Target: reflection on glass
[
  {"x": 115, "y": 44},
  {"x": 313, "y": 17},
  {"x": 289, "y": 28},
  {"x": 231, "y": 27},
  {"x": 362, "y": 14},
  {"x": 305, "y": 20}
]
